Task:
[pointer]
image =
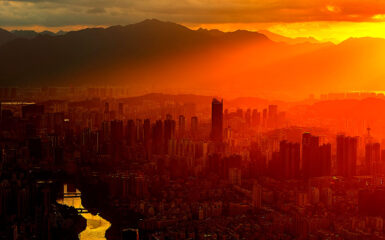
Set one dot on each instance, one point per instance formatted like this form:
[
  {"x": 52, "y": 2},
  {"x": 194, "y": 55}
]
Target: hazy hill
[
  {"x": 32, "y": 34},
  {"x": 6, "y": 36},
  {"x": 45, "y": 58},
  {"x": 155, "y": 56},
  {"x": 353, "y": 65},
  {"x": 279, "y": 38},
  {"x": 365, "y": 109}
]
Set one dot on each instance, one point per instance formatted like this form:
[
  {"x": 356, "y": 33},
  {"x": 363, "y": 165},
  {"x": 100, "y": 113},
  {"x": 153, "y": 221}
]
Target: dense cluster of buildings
[{"x": 229, "y": 175}]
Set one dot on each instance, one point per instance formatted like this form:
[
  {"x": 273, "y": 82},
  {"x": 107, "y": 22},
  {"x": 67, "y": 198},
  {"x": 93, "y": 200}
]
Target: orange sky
[
  {"x": 326, "y": 31},
  {"x": 326, "y": 20}
]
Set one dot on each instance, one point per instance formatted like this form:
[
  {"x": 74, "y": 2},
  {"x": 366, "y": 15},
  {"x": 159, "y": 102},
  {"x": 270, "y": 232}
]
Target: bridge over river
[{"x": 96, "y": 225}]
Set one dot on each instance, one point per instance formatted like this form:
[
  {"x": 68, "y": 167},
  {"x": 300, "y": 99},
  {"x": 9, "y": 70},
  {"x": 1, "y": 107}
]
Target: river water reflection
[{"x": 96, "y": 225}]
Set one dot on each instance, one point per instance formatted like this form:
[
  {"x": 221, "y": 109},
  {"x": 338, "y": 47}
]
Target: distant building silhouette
[
  {"x": 217, "y": 120},
  {"x": 372, "y": 157},
  {"x": 290, "y": 159},
  {"x": 181, "y": 126},
  {"x": 169, "y": 131},
  {"x": 310, "y": 154},
  {"x": 194, "y": 127},
  {"x": 325, "y": 157},
  {"x": 131, "y": 133},
  {"x": 346, "y": 155},
  {"x": 272, "y": 120},
  {"x": 316, "y": 159}
]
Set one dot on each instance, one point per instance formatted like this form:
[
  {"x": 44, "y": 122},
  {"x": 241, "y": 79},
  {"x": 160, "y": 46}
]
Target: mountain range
[
  {"x": 279, "y": 38},
  {"x": 154, "y": 56},
  {"x": 7, "y": 36}
]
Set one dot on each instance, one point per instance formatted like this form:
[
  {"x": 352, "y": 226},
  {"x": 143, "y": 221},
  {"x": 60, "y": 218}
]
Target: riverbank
[
  {"x": 96, "y": 226},
  {"x": 95, "y": 198},
  {"x": 68, "y": 224}
]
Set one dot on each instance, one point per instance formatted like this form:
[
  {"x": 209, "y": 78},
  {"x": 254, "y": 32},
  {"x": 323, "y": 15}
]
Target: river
[{"x": 96, "y": 225}]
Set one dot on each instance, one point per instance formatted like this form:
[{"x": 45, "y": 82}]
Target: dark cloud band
[{"x": 110, "y": 12}]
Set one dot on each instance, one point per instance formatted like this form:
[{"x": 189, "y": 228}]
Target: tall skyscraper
[
  {"x": 105, "y": 131},
  {"x": 106, "y": 107},
  {"x": 346, "y": 155},
  {"x": 106, "y": 111},
  {"x": 264, "y": 117},
  {"x": 120, "y": 110},
  {"x": 147, "y": 135},
  {"x": 131, "y": 133},
  {"x": 157, "y": 137},
  {"x": 116, "y": 140},
  {"x": 248, "y": 117},
  {"x": 181, "y": 126},
  {"x": 256, "y": 196},
  {"x": 139, "y": 131},
  {"x": 169, "y": 132},
  {"x": 372, "y": 157},
  {"x": 217, "y": 120},
  {"x": 255, "y": 118},
  {"x": 289, "y": 159},
  {"x": 117, "y": 131},
  {"x": 310, "y": 155},
  {"x": 273, "y": 116},
  {"x": 316, "y": 160},
  {"x": 194, "y": 127},
  {"x": 258, "y": 160},
  {"x": 325, "y": 158}
]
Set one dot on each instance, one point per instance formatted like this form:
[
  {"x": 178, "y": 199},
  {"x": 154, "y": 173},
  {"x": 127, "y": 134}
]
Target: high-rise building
[
  {"x": 256, "y": 196},
  {"x": 255, "y": 118},
  {"x": 106, "y": 107},
  {"x": 35, "y": 150},
  {"x": 107, "y": 111},
  {"x": 217, "y": 120},
  {"x": 273, "y": 116},
  {"x": 105, "y": 131},
  {"x": 372, "y": 157},
  {"x": 325, "y": 160},
  {"x": 139, "y": 131},
  {"x": 117, "y": 131},
  {"x": 194, "y": 127},
  {"x": 131, "y": 133},
  {"x": 116, "y": 139},
  {"x": 310, "y": 155},
  {"x": 346, "y": 155},
  {"x": 32, "y": 111},
  {"x": 120, "y": 110},
  {"x": 181, "y": 126},
  {"x": 314, "y": 195},
  {"x": 157, "y": 138},
  {"x": 248, "y": 117},
  {"x": 147, "y": 137},
  {"x": 169, "y": 132},
  {"x": 326, "y": 196},
  {"x": 289, "y": 159},
  {"x": 316, "y": 160},
  {"x": 258, "y": 161},
  {"x": 235, "y": 176},
  {"x": 147, "y": 132},
  {"x": 264, "y": 117}
]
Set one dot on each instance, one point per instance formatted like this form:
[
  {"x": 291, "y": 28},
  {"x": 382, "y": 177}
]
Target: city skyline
[
  {"x": 131, "y": 149},
  {"x": 192, "y": 119}
]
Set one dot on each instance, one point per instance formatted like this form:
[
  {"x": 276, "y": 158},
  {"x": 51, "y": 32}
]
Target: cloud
[
  {"x": 97, "y": 10},
  {"x": 110, "y": 12}
]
